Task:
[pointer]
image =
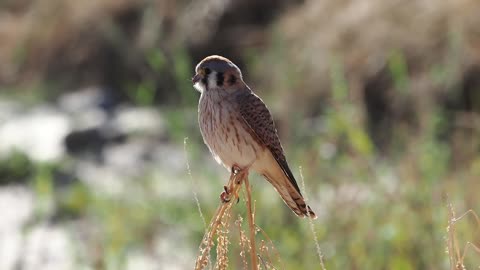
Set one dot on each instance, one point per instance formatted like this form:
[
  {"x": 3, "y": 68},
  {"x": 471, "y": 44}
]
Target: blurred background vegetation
[{"x": 378, "y": 101}]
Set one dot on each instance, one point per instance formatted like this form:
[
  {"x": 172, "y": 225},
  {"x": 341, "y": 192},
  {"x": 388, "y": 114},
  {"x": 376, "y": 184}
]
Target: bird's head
[{"x": 216, "y": 73}]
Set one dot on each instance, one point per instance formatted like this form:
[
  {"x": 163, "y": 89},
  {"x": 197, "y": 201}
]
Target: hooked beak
[{"x": 196, "y": 78}]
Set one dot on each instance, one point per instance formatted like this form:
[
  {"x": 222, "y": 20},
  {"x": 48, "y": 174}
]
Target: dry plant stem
[
  {"x": 466, "y": 248},
  {"x": 189, "y": 171},
  {"x": 451, "y": 247},
  {"x": 207, "y": 241},
  {"x": 251, "y": 224},
  {"x": 222, "y": 242},
  {"x": 455, "y": 256},
  {"x": 277, "y": 254},
  {"x": 242, "y": 242},
  {"x": 197, "y": 201},
  {"x": 469, "y": 244},
  {"x": 312, "y": 226}
]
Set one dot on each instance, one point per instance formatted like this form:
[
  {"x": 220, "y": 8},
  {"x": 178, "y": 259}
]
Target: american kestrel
[{"x": 239, "y": 131}]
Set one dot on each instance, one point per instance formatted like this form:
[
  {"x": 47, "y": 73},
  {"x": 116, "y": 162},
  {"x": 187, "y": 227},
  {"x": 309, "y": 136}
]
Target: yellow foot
[
  {"x": 225, "y": 196},
  {"x": 235, "y": 180}
]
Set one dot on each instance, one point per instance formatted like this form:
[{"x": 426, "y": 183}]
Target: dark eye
[
  {"x": 207, "y": 71},
  {"x": 232, "y": 79}
]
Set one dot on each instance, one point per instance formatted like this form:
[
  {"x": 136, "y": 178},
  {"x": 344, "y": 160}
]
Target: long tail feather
[{"x": 289, "y": 194}]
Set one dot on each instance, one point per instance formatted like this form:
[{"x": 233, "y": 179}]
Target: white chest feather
[{"x": 223, "y": 133}]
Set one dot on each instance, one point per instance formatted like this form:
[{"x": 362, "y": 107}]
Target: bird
[{"x": 239, "y": 131}]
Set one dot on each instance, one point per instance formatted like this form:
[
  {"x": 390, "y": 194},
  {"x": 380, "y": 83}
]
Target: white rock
[
  {"x": 16, "y": 206},
  {"x": 39, "y": 134},
  {"x": 48, "y": 247},
  {"x": 137, "y": 260},
  {"x": 136, "y": 120},
  {"x": 77, "y": 102}
]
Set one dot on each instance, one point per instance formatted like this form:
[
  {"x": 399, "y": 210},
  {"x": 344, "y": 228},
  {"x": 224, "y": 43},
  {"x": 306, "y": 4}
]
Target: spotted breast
[{"x": 226, "y": 138}]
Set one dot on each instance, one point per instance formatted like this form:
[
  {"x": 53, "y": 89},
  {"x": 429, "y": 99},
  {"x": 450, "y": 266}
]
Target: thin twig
[
  {"x": 242, "y": 242},
  {"x": 466, "y": 248},
  {"x": 451, "y": 248},
  {"x": 312, "y": 227},
  {"x": 207, "y": 241},
  {"x": 195, "y": 195},
  {"x": 193, "y": 183},
  {"x": 275, "y": 250},
  {"x": 470, "y": 212},
  {"x": 455, "y": 256},
  {"x": 222, "y": 242},
  {"x": 251, "y": 224}
]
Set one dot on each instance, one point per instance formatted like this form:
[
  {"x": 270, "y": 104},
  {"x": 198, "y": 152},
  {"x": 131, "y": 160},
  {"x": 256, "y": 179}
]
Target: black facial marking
[
  {"x": 207, "y": 71},
  {"x": 220, "y": 79},
  {"x": 204, "y": 80},
  {"x": 232, "y": 79}
]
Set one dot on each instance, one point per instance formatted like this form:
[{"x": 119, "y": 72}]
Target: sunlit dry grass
[
  {"x": 456, "y": 254},
  {"x": 221, "y": 226},
  {"x": 312, "y": 226}
]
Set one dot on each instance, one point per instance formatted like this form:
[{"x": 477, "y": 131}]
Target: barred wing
[{"x": 261, "y": 126}]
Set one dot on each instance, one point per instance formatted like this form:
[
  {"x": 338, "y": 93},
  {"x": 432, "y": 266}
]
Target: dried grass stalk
[
  {"x": 243, "y": 241},
  {"x": 312, "y": 226},
  {"x": 222, "y": 214},
  {"x": 455, "y": 256},
  {"x": 220, "y": 228},
  {"x": 251, "y": 225}
]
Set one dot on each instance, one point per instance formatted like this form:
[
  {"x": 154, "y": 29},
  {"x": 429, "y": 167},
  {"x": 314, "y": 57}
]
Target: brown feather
[{"x": 259, "y": 123}]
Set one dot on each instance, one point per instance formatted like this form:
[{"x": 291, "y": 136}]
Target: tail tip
[
  {"x": 307, "y": 212},
  {"x": 310, "y": 213}
]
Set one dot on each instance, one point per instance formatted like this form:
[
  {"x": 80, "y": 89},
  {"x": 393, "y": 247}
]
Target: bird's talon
[
  {"x": 224, "y": 197},
  {"x": 235, "y": 170}
]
